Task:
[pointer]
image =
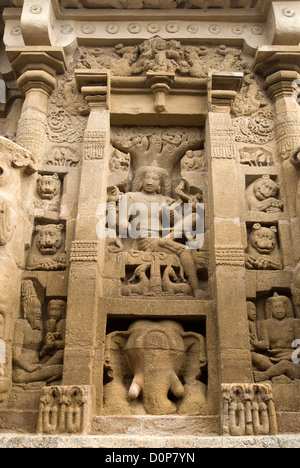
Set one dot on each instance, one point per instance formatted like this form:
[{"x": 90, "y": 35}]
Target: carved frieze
[
  {"x": 65, "y": 410},
  {"x": 230, "y": 255},
  {"x": 158, "y": 4},
  {"x": 160, "y": 56},
  {"x": 248, "y": 409},
  {"x": 84, "y": 251}
]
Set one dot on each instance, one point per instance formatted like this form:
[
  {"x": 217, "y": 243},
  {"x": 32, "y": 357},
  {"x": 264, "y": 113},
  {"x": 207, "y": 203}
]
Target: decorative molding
[
  {"x": 222, "y": 143},
  {"x": 65, "y": 410},
  {"x": 230, "y": 255},
  {"x": 248, "y": 409},
  {"x": 84, "y": 252},
  {"x": 93, "y": 145}
]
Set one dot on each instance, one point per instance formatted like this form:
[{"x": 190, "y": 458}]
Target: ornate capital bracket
[
  {"x": 280, "y": 68},
  {"x": 95, "y": 87},
  {"x": 222, "y": 90},
  {"x": 271, "y": 59},
  {"x": 160, "y": 86},
  {"x": 37, "y": 69}
]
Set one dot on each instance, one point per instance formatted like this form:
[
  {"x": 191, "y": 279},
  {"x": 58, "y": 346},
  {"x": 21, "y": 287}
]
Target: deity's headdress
[
  {"x": 28, "y": 296},
  {"x": 278, "y": 298}
]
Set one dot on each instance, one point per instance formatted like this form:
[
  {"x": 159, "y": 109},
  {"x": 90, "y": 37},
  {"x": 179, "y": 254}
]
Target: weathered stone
[{"x": 149, "y": 222}]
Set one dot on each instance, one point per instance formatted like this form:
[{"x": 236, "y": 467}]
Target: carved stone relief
[
  {"x": 159, "y": 56},
  {"x": 64, "y": 410},
  {"x": 48, "y": 192},
  {"x": 48, "y": 249},
  {"x": 163, "y": 4},
  {"x": 263, "y": 249},
  {"x": 274, "y": 341},
  {"x": 149, "y": 363},
  {"x": 263, "y": 195},
  {"x": 153, "y": 185},
  {"x": 150, "y": 146},
  {"x": 256, "y": 157},
  {"x": 248, "y": 409},
  {"x": 36, "y": 360}
]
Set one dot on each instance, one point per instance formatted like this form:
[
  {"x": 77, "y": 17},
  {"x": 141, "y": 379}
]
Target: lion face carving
[
  {"x": 49, "y": 238},
  {"x": 263, "y": 249},
  {"x": 48, "y": 186},
  {"x": 263, "y": 239}
]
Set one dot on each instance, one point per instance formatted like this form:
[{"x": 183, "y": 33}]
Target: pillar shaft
[
  {"x": 80, "y": 365},
  {"x": 227, "y": 244}
]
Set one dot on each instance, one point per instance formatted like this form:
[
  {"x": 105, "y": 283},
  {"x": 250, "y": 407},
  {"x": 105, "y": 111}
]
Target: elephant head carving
[{"x": 161, "y": 367}]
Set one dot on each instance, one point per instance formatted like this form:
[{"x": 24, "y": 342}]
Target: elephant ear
[
  {"x": 115, "y": 344},
  {"x": 196, "y": 355}
]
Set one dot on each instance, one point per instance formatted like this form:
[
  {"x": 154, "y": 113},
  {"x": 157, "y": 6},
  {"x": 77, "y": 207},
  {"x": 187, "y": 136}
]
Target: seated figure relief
[
  {"x": 273, "y": 341},
  {"x": 48, "y": 250},
  {"x": 146, "y": 208},
  {"x": 29, "y": 364},
  {"x": 263, "y": 249},
  {"x": 149, "y": 363}
]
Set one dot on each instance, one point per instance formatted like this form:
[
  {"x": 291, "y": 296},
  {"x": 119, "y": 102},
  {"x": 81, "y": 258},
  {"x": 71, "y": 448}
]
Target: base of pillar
[{"x": 136, "y": 442}]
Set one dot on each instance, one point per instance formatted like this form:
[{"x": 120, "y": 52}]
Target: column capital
[
  {"x": 272, "y": 59},
  {"x": 37, "y": 67},
  {"x": 94, "y": 86},
  {"x": 222, "y": 90}
]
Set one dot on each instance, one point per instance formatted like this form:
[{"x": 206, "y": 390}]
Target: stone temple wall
[{"x": 150, "y": 217}]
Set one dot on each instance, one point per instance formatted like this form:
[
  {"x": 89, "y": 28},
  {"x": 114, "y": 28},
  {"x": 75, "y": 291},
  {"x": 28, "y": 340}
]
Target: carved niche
[
  {"x": 48, "y": 192},
  {"x": 263, "y": 195},
  {"x": 35, "y": 358},
  {"x": 48, "y": 249},
  {"x": 275, "y": 341},
  {"x": 150, "y": 362},
  {"x": 263, "y": 249}
]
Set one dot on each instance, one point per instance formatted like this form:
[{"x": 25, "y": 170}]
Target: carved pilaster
[
  {"x": 280, "y": 67},
  {"x": 36, "y": 71},
  {"x": 226, "y": 239}
]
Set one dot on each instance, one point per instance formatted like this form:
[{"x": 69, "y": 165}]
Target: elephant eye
[{"x": 1, "y": 171}]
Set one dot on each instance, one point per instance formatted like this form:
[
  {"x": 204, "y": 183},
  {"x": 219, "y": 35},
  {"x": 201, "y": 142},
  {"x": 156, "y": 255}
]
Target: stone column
[
  {"x": 81, "y": 365},
  {"x": 36, "y": 76},
  {"x": 226, "y": 238},
  {"x": 280, "y": 67}
]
